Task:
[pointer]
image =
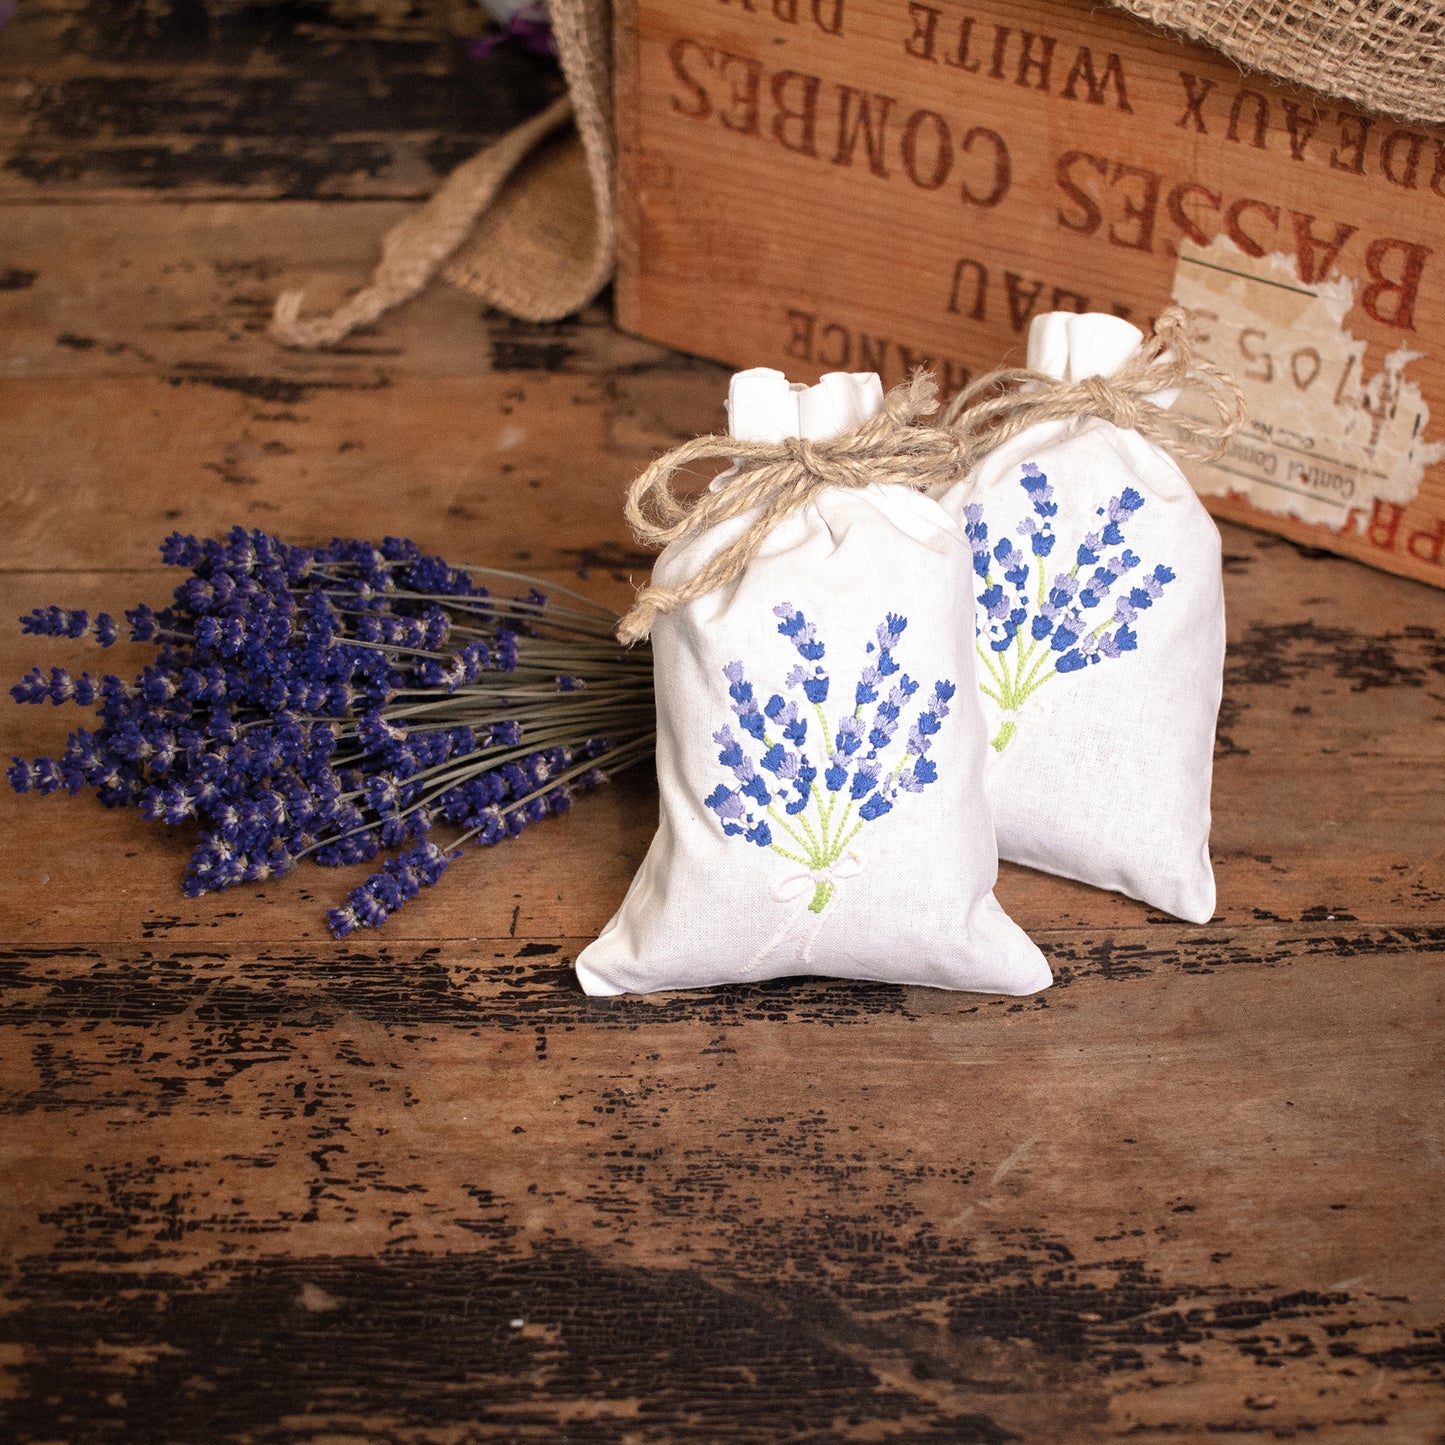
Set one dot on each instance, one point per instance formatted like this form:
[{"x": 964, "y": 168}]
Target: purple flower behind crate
[
  {"x": 520, "y": 22},
  {"x": 339, "y": 703}
]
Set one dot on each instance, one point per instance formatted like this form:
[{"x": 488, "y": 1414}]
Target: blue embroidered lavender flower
[
  {"x": 849, "y": 737},
  {"x": 875, "y": 807},
  {"x": 804, "y": 636},
  {"x": 817, "y": 826},
  {"x": 867, "y": 689},
  {"x": 1151, "y": 589},
  {"x": 1015, "y": 565},
  {"x": 802, "y": 632},
  {"x": 888, "y": 635},
  {"x": 1120, "y": 509},
  {"x": 885, "y": 722},
  {"x": 780, "y": 761},
  {"x": 1036, "y": 484},
  {"x": 730, "y": 808},
  {"x": 976, "y": 530},
  {"x": 334, "y": 703},
  {"x": 786, "y": 716},
  {"x": 744, "y": 704},
  {"x": 1056, "y": 630},
  {"x": 909, "y": 780},
  {"x": 993, "y": 601},
  {"x": 744, "y": 770},
  {"x": 1098, "y": 586},
  {"x": 865, "y": 779}
]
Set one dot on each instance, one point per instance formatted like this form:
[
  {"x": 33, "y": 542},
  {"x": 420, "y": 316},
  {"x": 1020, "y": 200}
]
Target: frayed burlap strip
[
  {"x": 773, "y": 480},
  {"x": 526, "y": 224},
  {"x": 1387, "y": 57},
  {"x": 548, "y": 244}
]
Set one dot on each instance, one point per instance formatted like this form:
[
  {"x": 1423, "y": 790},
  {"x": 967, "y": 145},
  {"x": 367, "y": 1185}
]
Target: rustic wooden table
[{"x": 259, "y": 1186}]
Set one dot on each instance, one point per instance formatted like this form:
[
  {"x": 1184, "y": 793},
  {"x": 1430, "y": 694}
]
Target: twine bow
[
  {"x": 773, "y": 480},
  {"x": 997, "y": 407}
]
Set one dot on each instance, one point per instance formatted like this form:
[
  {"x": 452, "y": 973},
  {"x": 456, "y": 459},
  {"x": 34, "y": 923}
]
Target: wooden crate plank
[{"x": 871, "y": 186}]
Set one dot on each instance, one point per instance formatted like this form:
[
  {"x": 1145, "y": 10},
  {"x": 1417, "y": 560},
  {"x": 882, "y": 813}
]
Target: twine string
[
  {"x": 771, "y": 481},
  {"x": 1001, "y": 404},
  {"x": 774, "y": 480}
]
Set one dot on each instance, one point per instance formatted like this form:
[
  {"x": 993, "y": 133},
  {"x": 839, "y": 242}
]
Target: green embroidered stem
[
  {"x": 993, "y": 672},
  {"x": 792, "y": 857},
  {"x": 813, "y": 841},
  {"x": 801, "y": 842},
  {"x": 1016, "y": 684}
]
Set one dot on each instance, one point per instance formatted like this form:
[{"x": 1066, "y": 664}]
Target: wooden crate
[{"x": 826, "y": 185}]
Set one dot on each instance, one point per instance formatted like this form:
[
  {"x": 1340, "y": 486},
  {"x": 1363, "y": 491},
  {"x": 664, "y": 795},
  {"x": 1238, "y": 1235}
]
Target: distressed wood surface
[
  {"x": 259, "y": 1186},
  {"x": 258, "y": 99}
]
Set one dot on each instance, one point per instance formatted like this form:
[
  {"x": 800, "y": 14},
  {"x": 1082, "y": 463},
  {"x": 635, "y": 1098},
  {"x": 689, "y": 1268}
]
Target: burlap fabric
[
  {"x": 546, "y": 246},
  {"x": 1388, "y": 57},
  {"x": 528, "y": 225}
]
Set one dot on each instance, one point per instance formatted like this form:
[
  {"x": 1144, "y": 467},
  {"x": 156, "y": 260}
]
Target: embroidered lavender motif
[
  {"x": 779, "y": 800},
  {"x": 1062, "y": 625}
]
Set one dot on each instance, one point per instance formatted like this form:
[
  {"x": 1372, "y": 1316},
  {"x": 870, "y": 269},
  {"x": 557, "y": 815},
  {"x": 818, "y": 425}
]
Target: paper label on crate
[{"x": 1324, "y": 441}]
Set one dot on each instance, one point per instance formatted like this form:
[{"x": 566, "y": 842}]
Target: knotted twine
[
  {"x": 771, "y": 481},
  {"x": 1165, "y": 362}
]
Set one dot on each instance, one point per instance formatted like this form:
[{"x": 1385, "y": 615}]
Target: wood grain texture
[
  {"x": 256, "y": 100},
  {"x": 258, "y": 1186}
]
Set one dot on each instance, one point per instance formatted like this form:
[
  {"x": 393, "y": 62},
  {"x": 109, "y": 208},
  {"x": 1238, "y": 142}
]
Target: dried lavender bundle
[{"x": 338, "y": 703}]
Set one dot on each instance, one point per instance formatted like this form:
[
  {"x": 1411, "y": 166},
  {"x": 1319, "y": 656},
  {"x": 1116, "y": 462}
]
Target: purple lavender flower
[{"x": 335, "y": 702}]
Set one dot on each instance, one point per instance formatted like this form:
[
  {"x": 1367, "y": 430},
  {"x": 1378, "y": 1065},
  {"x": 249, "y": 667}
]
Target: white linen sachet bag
[
  {"x": 820, "y": 747},
  {"x": 1099, "y": 613}
]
